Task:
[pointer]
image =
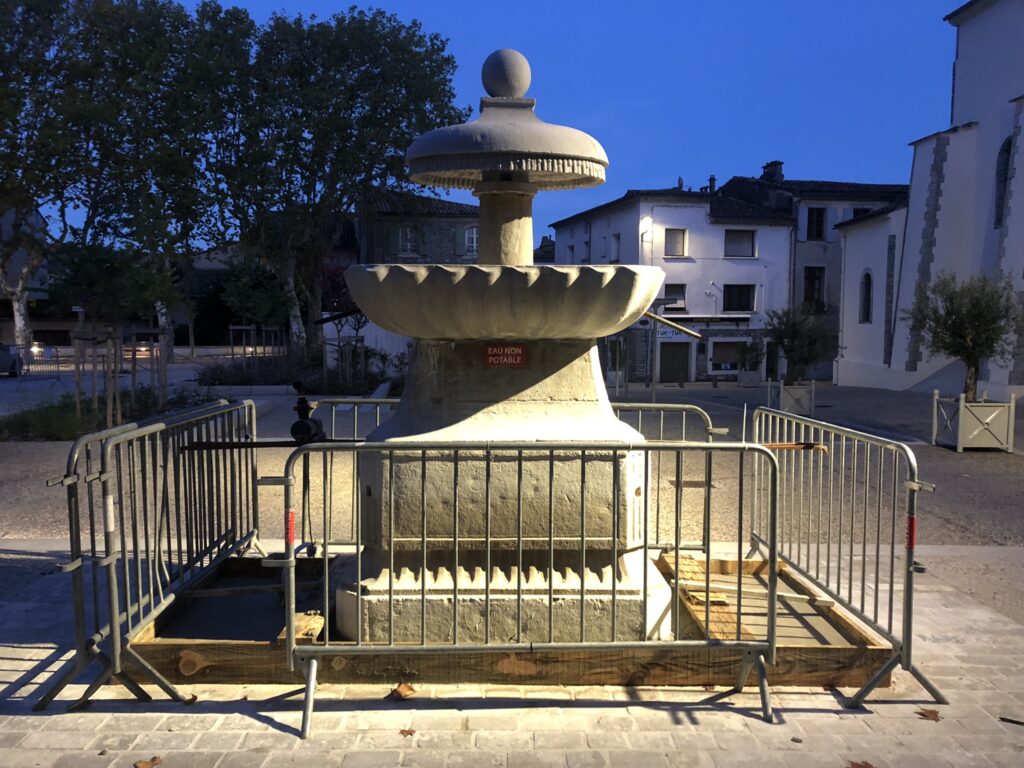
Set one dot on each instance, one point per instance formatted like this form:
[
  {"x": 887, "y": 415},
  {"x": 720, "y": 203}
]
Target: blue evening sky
[{"x": 688, "y": 88}]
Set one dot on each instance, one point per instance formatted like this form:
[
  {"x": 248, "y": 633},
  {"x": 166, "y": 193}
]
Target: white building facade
[
  {"x": 965, "y": 215},
  {"x": 726, "y": 263},
  {"x": 817, "y": 207}
]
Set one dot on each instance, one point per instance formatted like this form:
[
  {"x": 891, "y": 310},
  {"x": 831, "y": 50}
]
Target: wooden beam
[
  {"x": 670, "y": 324},
  {"x": 233, "y": 663}
]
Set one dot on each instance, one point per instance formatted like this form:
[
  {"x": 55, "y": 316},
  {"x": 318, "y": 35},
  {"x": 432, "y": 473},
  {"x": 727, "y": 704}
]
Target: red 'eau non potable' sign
[{"x": 505, "y": 355}]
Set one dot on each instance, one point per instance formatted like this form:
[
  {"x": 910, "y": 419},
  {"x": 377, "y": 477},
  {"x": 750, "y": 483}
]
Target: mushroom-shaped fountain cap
[
  {"x": 506, "y": 74},
  {"x": 507, "y": 138}
]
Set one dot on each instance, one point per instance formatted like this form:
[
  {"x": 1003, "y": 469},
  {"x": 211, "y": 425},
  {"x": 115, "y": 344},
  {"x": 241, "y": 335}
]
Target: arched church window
[{"x": 865, "y": 298}]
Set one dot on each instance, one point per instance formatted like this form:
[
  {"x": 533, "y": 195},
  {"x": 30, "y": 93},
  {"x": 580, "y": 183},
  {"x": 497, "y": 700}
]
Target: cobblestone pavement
[{"x": 974, "y": 654}]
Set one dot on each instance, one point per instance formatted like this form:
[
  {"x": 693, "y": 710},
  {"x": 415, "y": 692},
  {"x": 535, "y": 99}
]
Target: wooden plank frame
[{"x": 185, "y": 661}]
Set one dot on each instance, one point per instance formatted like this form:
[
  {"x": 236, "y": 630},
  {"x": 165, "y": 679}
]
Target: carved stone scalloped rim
[
  {"x": 445, "y": 301},
  {"x": 464, "y": 171}
]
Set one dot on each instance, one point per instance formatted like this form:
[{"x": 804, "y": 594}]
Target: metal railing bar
[{"x": 340, "y": 647}]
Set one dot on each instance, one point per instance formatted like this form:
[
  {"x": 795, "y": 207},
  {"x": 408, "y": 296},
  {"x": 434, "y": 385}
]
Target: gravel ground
[
  {"x": 977, "y": 498},
  {"x": 976, "y": 501}
]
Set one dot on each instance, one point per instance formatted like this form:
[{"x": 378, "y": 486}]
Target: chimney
[
  {"x": 772, "y": 172},
  {"x": 712, "y": 181}
]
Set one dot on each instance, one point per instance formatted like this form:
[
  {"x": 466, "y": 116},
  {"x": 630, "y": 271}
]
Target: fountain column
[
  {"x": 521, "y": 514},
  {"x": 506, "y": 222}
]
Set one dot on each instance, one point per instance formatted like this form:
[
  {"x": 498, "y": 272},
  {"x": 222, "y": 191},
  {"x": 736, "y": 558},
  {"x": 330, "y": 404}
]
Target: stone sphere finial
[{"x": 506, "y": 74}]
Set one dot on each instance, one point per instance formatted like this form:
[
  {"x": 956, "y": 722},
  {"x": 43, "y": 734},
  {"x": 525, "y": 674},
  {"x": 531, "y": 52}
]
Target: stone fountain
[{"x": 504, "y": 351}]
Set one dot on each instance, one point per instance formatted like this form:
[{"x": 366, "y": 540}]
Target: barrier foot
[
  {"x": 750, "y": 659},
  {"x": 162, "y": 682},
  {"x": 762, "y": 684},
  {"x": 255, "y": 546},
  {"x": 83, "y": 701},
  {"x": 58, "y": 685},
  {"x": 858, "y": 700},
  {"x": 307, "y": 703},
  {"x": 928, "y": 685},
  {"x": 105, "y": 674},
  {"x": 134, "y": 688},
  {"x": 745, "y": 666}
]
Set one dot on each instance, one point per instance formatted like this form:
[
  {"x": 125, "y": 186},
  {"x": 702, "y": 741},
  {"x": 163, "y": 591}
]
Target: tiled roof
[
  {"x": 635, "y": 194},
  {"x": 722, "y": 208},
  {"x": 961, "y": 13},
  {"x": 395, "y": 203},
  {"x": 884, "y": 211},
  {"x": 810, "y": 189},
  {"x": 844, "y": 190},
  {"x": 733, "y": 209}
]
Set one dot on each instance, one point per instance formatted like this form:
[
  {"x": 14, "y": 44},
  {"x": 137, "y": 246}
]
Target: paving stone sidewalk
[{"x": 975, "y": 655}]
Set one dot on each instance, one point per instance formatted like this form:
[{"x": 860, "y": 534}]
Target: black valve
[{"x": 306, "y": 429}]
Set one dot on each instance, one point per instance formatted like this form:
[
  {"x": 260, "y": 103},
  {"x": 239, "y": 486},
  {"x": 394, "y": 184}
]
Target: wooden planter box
[
  {"x": 984, "y": 424},
  {"x": 797, "y": 399}
]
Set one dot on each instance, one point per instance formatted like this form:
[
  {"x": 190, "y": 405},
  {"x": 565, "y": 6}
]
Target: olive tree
[
  {"x": 803, "y": 336},
  {"x": 972, "y": 320}
]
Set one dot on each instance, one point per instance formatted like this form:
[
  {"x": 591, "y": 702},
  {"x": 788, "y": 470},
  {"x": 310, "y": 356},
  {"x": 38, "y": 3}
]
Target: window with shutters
[
  {"x": 408, "y": 244},
  {"x": 676, "y": 292},
  {"x": 737, "y": 298},
  {"x": 739, "y": 243},
  {"x": 814, "y": 289},
  {"x": 616, "y": 248},
  {"x": 675, "y": 243},
  {"x": 816, "y": 223},
  {"x": 472, "y": 234}
]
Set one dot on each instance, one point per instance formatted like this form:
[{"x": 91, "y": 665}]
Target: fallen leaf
[
  {"x": 151, "y": 763},
  {"x": 859, "y": 764},
  {"x": 402, "y": 691},
  {"x": 191, "y": 699},
  {"x": 407, "y": 732},
  {"x": 1012, "y": 721},
  {"x": 709, "y": 687},
  {"x": 797, "y": 740},
  {"x": 929, "y": 714}
]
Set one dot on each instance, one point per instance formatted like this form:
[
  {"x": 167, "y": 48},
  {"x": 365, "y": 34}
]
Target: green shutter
[
  {"x": 393, "y": 239},
  {"x": 460, "y": 240}
]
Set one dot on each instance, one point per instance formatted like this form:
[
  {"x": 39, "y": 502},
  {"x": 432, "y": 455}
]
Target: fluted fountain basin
[{"x": 446, "y": 301}]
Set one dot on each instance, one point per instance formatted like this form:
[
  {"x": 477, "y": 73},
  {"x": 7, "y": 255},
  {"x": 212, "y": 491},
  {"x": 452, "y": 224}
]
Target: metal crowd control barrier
[
  {"x": 39, "y": 361},
  {"x": 669, "y": 422},
  {"x": 506, "y": 569},
  {"x": 353, "y": 418},
  {"x": 148, "y": 519},
  {"x": 848, "y": 521}
]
